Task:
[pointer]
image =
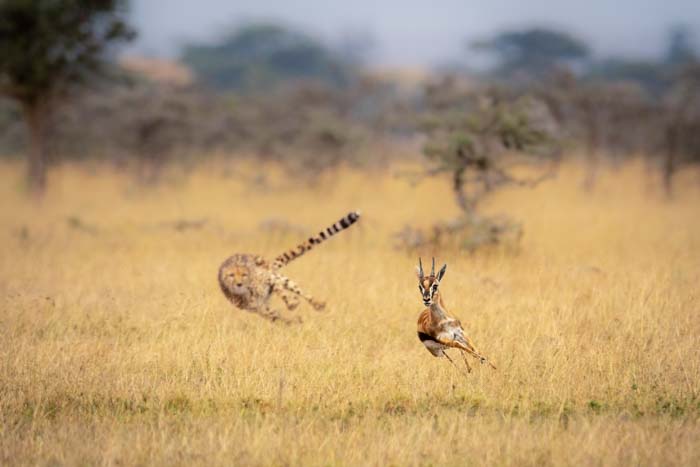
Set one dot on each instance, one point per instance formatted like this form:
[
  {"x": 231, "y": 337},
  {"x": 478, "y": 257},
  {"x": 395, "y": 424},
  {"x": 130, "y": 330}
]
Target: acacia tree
[
  {"x": 483, "y": 140},
  {"x": 259, "y": 56},
  {"x": 48, "y": 47}
]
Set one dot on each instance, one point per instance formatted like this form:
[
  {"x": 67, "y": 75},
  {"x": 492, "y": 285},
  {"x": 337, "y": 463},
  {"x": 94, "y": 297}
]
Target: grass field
[{"x": 117, "y": 348}]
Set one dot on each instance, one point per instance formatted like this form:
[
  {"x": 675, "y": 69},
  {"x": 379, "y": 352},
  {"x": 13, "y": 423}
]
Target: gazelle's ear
[
  {"x": 441, "y": 273},
  {"x": 419, "y": 273}
]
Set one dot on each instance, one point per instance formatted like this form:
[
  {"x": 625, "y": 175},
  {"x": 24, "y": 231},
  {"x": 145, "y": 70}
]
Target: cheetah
[{"x": 249, "y": 281}]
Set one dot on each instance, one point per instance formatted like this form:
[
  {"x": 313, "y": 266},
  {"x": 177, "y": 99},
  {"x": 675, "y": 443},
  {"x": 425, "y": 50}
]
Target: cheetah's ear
[{"x": 441, "y": 273}]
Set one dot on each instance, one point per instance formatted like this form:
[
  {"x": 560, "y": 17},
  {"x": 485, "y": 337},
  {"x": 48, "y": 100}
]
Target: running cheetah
[{"x": 248, "y": 281}]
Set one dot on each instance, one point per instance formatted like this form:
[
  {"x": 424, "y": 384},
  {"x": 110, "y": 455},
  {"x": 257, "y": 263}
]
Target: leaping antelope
[{"x": 436, "y": 329}]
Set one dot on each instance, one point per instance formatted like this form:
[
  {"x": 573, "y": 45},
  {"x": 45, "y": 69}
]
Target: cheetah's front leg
[{"x": 274, "y": 315}]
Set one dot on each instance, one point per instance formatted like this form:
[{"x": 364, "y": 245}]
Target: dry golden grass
[{"x": 117, "y": 348}]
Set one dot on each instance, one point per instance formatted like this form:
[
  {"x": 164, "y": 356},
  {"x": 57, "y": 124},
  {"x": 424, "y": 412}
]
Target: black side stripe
[{"x": 424, "y": 337}]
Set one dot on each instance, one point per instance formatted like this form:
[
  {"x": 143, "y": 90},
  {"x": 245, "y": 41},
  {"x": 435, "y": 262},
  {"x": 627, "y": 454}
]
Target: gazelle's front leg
[
  {"x": 290, "y": 286},
  {"x": 464, "y": 357},
  {"x": 469, "y": 369}
]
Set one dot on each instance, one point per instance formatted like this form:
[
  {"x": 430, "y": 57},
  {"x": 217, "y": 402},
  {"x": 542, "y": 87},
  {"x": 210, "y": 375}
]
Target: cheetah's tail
[{"x": 322, "y": 236}]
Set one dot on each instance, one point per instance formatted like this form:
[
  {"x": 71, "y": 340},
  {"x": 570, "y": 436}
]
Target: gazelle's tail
[{"x": 321, "y": 237}]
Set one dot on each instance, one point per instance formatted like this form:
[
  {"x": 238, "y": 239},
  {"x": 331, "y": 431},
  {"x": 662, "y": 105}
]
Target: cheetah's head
[{"x": 235, "y": 278}]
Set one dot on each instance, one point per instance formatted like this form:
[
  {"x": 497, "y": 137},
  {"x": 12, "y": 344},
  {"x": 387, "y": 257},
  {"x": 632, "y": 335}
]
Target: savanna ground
[{"x": 117, "y": 348}]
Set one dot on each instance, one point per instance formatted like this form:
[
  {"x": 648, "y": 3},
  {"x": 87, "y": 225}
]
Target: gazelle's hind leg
[
  {"x": 459, "y": 341},
  {"x": 471, "y": 350},
  {"x": 290, "y": 286}
]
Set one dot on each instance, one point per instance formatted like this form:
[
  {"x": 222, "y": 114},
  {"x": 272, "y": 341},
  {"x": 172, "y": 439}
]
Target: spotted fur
[{"x": 249, "y": 281}]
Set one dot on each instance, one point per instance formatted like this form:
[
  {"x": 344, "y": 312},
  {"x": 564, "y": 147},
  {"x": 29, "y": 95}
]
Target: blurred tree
[
  {"x": 317, "y": 135},
  {"x": 656, "y": 76},
  {"x": 682, "y": 124},
  {"x": 147, "y": 126},
  {"x": 652, "y": 75},
  {"x": 680, "y": 48},
  {"x": 355, "y": 46},
  {"x": 480, "y": 138},
  {"x": 533, "y": 52},
  {"x": 483, "y": 141},
  {"x": 257, "y": 57},
  {"x": 48, "y": 47},
  {"x": 606, "y": 118}
]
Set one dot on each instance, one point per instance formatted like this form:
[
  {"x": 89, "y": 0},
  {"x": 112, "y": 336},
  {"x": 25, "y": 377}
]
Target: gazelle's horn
[
  {"x": 432, "y": 272},
  {"x": 420, "y": 268}
]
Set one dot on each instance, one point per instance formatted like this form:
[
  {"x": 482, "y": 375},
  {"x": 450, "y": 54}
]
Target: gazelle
[{"x": 436, "y": 329}]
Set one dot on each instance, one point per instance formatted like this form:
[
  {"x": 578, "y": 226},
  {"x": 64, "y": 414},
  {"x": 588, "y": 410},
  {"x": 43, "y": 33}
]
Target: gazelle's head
[{"x": 428, "y": 285}]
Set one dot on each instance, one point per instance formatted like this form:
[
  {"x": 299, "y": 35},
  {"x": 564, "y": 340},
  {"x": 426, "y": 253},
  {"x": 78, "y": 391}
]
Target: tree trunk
[
  {"x": 593, "y": 141},
  {"x": 669, "y": 163},
  {"x": 465, "y": 204},
  {"x": 36, "y": 118}
]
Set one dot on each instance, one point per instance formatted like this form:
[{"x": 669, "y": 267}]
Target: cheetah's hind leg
[
  {"x": 290, "y": 286},
  {"x": 291, "y": 301}
]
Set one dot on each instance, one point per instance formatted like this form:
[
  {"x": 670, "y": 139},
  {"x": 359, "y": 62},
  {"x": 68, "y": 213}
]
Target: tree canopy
[
  {"x": 46, "y": 48},
  {"x": 260, "y": 56},
  {"x": 534, "y": 50},
  {"x": 680, "y": 49},
  {"x": 48, "y": 45}
]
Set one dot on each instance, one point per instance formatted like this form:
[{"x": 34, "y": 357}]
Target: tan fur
[
  {"x": 438, "y": 330},
  {"x": 249, "y": 281}
]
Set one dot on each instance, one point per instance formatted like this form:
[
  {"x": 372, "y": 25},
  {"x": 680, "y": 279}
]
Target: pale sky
[{"x": 409, "y": 32}]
